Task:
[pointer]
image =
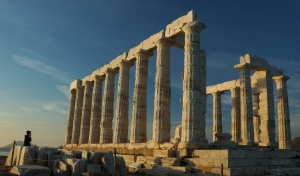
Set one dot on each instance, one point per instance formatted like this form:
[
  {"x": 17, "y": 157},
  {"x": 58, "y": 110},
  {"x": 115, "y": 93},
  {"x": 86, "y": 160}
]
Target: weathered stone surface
[
  {"x": 96, "y": 157},
  {"x": 93, "y": 168},
  {"x": 60, "y": 168},
  {"x": 121, "y": 166},
  {"x": 31, "y": 170},
  {"x": 164, "y": 153},
  {"x": 77, "y": 165},
  {"x": 170, "y": 161},
  {"x": 134, "y": 167},
  {"x": 16, "y": 157},
  {"x": 108, "y": 161}
]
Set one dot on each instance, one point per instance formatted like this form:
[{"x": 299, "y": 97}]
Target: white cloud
[
  {"x": 64, "y": 90},
  {"x": 28, "y": 109},
  {"x": 56, "y": 74},
  {"x": 56, "y": 106}
]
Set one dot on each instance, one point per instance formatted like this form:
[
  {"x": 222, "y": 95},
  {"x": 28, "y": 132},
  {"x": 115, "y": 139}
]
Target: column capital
[
  {"x": 98, "y": 78},
  {"x": 242, "y": 66},
  {"x": 234, "y": 89},
  {"x": 125, "y": 63},
  {"x": 194, "y": 26},
  {"x": 281, "y": 77},
  {"x": 143, "y": 53},
  {"x": 110, "y": 72},
  {"x": 87, "y": 83},
  {"x": 164, "y": 41},
  {"x": 217, "y": 93}
]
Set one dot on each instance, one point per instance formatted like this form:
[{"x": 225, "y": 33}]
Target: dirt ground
[{"x": 3, "y": 169}]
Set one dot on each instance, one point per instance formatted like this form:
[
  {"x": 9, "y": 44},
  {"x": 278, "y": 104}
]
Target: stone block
[
  {"x": 121, "y": 166},
  {"x": 164, "y": 153},
  {"x": 27, "y": 155},
  {"x": 108, "y": 161},
  {"x": 16, "y": 156},
  {"x": 134, "y": 167},
  {"x": 129, "y": 159},
  {"x": 169, "y": 161},
  {"x": 93, "y": 168},
  {"x": 96, "y": 157},
  {"x": 31, "y": 170},
  {"x": 77, "y": 165},
  {"x": 86, "y": 155}
]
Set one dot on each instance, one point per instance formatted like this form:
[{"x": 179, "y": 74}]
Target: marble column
[
  {"x": 94, "y": 136},
  {"x": 266, "y": 110},
  {"x": 194, "y": 89},
  {"x": 162, "y": 93},
  {"x": 77, "y": 115},
  {"x": 247, "y": 134},
  {"x": 284, "y": 128},
  {"x": 138, "y": 132},
  {"x": 107, "y": 107},
  {"x": 71, "y": 116},
  {"x": 121, "y": 125},
  {"x": 86, "y": 112},
  {"x": 235, "y": 114},
  {"x": 256, "y": 118},
  {"x": 217, "y": 114},
  {"x": 256, "y": 124}
]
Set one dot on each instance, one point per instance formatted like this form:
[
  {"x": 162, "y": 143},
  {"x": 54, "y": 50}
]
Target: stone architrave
[
  {"x": 107, "y": 107},
  {"x": 247, "y": 134},
  {"x": 71, "y": 116},
  {"x": 121, "y": 124},
  {"x": 77, "y": 115},
  {"x": 86, "y": 113},
  {"x": 194, "y": 88},
  {"x": 217, "y": 114},
  {"x": 162, "y": 93},
  {"x": 266, "y": 111},
  {"x": 235, "y": 114},
  {"x": 284, "y": 128},
  {"x": 94, "y": 136},
  {"x": 139, "y": 110}
]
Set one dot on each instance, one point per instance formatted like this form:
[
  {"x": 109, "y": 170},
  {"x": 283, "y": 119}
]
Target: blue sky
[{"x": 44, "y": 45}]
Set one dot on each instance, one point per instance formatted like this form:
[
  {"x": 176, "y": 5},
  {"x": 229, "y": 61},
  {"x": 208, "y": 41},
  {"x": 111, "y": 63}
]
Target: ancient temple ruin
[{"x": 91, "y": 113}]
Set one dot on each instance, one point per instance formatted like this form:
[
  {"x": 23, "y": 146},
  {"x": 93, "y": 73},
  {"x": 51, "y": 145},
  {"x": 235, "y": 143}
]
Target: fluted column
[
  {"x": 256, "y": 117},
  {"x": 139, "y": 110},
  {"x": 284, "y": 128},
  {"x": 217, "y": 114},
  {"x": 235, "y": 114},
  {"x": 162, "y": 93},
  {"x": 107, "y": 107},
  {"x": 266, "y": 108},
  {"x": 94, "y": 136},
  {"x": 71, "y": 116},
  {"x": 194, "y": 88},
  {"x": 86, "y": 113},
  {"x": 247, "y": 134},
  {"x": 121, "y": 125},
  {"x": 77, "y": 115}
]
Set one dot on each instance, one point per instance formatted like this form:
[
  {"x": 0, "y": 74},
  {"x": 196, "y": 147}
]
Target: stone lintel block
[
  {"x": 211, "y": 89},
  {"x": 163, "y": 153},
  {"x": 28, "y": 170},
  {"x": 76, "y": 83},
  {"x": 149, "y": 43},
  {"x": 175, "y": 27},
  {"x": 114, "y": 63},
  {"x": 132, "y": 52}
]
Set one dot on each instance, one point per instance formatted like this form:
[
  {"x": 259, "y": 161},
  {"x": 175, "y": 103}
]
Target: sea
[{"x": 4, "y": 153}]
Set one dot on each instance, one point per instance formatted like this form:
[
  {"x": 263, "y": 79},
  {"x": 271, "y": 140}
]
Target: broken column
[
  {"x": 217, "y": 114},
  {"x": 121, "y": 124},
  {"x": 139, "y": 110},
  {"x": 107, "y": 107},
  {"x": 284, "y": 128},
  {"x": 77, "y": 114},
  {"x": 193, "y": 101},
  {"x": 86, "y": 113},
  {"x": 162, "y": 93},
  {"x": 71, "y": 116},
  {"x": 235, "y": 114},
  {"x": 247, "y": 135},
  {"x": 94, "y": 136}
]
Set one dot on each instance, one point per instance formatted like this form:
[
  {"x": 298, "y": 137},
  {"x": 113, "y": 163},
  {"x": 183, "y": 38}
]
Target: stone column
[
  {"x": 256, "y": 123},
  {"x": 217, "y": 114},
  {"x": 194, "y": 89},
  {"x": 71, "y": 117},
  {"x": 162, "y": 93},
  {"x": 121, "y": 125},
  {"x": 94, "y": 136},
  {"x": 86, "y": 113},
  {"x": 284, "y": 128},
  {"x": 266, "y": 110},
  {"x": 139, "y": 110},
  {"x": 235, "y": 114},
  {"x": 77, "y": 115},
  {"x": 247, "y": 135},
  {"x": 107, "y": 107},
  {"x": 256, "y": 118}
]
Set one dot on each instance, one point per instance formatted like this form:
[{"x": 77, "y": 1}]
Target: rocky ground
[{"x": 3, "y": 169}]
